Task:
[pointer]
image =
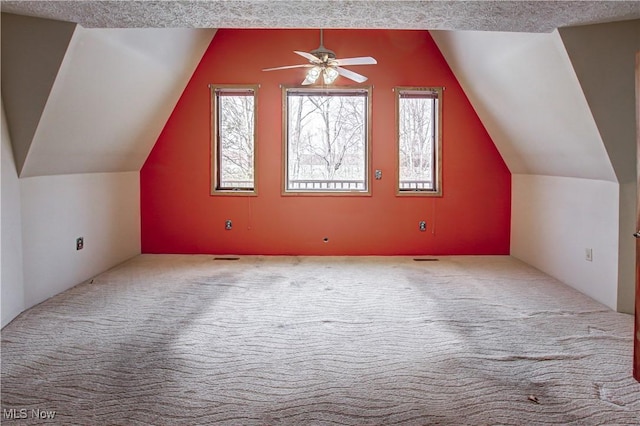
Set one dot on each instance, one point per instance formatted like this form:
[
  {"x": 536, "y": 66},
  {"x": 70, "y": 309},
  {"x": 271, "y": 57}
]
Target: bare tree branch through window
[
  {"x": 418, "y": 139},
  {"x": 234, "y": 144},
  {"x": 327, "y": 140}
]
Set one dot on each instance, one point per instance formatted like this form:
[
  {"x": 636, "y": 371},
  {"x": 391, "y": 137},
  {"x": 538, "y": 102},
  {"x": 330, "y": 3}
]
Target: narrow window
[
  {"x": 418, "y": 117},
  {"x": 326, "y": 141},
  {"x": 233, "y": 110}
]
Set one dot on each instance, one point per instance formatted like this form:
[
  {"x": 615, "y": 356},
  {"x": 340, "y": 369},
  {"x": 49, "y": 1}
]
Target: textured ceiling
[{"x": 523, "y": 16}]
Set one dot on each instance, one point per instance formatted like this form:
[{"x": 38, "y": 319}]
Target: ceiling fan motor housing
[{"x": 323, "y": 54}]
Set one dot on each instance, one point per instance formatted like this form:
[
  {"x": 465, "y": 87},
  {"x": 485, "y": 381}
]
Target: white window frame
[
  {"x": 435, "y": 93},
  {"x": 217, "y": 188},
  {"x": 334, "y": 188}
]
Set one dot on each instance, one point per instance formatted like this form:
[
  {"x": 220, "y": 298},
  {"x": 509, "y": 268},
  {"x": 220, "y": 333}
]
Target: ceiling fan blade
[
  {"x": 363, "y": 60},
  {"x": 358, "y": 78},
  {"x": 288, "y": 67},
  {"x": 308, "y": 56}
]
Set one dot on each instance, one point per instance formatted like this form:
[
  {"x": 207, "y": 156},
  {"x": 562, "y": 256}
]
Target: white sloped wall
[
  {"x": 111, "y": 97},
  {"x": 565, "y": 194}
]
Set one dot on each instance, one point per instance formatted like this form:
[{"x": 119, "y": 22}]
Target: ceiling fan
[{"x": 323, "y": 61}]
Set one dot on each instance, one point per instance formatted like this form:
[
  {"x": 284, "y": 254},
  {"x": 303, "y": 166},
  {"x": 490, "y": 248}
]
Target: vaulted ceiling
[{"x": 93, "y": 97}]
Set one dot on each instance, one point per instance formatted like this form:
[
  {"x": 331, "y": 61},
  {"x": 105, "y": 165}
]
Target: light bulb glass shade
[
  {"x": 312, "y": 75},
  {"x": 330, "y": 74}
]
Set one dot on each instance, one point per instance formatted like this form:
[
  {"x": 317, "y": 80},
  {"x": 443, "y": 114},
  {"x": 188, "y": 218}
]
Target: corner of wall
[
  {"x": 627, "y": 249},
  {"x": 11, "y": 264},
  {"x": 555, "y": 219},
  {"x": 103, "y": 208},
  {"x": 603, "y": 57}
]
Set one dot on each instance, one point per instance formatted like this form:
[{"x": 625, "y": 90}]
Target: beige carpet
[{"x": 182, "y": 340}]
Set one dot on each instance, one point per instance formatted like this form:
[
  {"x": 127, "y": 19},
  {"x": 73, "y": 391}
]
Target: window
[
  {"x": 418, "y": 118},
  {"x": 233, "y": 161},
  {"x": 326, "y": 140}
]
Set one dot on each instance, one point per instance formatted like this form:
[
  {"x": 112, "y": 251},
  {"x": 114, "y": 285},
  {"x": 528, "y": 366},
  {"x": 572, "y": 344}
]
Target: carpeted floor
[{"x": 186, "y": 340}]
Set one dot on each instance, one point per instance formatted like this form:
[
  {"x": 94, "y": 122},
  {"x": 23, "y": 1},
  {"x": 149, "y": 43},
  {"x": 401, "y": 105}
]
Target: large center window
[{"x": 326, "y": 140}]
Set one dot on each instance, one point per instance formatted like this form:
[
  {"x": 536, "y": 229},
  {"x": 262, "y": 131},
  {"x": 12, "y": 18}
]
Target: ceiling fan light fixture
[
  {"x": 323, "y": 61},
  {"x": 312, "y": 75},
  {"x": 329, "y": 75}
]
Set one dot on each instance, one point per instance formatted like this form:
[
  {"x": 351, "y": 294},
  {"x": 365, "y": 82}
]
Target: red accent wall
[{"x": 179, "y": 215}]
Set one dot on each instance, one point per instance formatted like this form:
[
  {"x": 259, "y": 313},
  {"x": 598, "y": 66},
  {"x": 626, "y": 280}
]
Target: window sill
[
  {"x": 418, "y": 193},
  {"x": 326, "y": 193},
  {"x": 233, "y": 193}
]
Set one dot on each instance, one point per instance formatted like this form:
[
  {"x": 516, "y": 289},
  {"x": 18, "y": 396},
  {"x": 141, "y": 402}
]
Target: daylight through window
[
  {"x": 418, "y": 119},
  {"x": 233, "y": 134},
  {"x": 326, "y": 140}
]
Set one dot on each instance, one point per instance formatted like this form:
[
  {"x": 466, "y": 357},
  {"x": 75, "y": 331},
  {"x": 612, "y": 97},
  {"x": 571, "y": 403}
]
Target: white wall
[
  {"x": 554, "y": 219},
  {"x": 11, "y": 281},
  {"x": 104, "y": 208}
]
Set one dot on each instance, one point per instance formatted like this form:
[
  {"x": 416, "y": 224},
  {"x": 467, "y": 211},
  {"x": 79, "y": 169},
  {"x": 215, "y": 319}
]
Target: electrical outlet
[
  {"x": 588, "y": 255},
  {"x": 228, "y": 225},
  {"x": 79, "y": 243},
  {"x": 422, "y": 226}
]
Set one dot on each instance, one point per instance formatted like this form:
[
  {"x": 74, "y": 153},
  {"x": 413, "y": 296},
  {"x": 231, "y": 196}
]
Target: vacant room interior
[{"x": 135, "y": 288}]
